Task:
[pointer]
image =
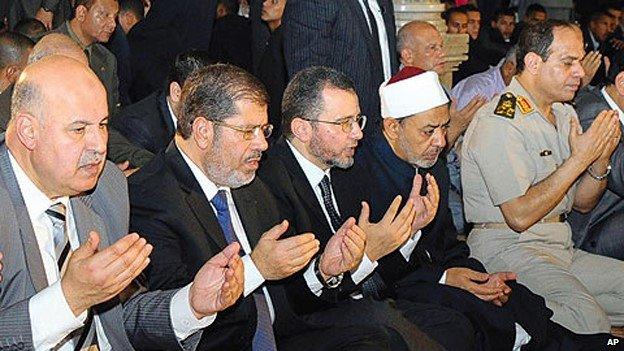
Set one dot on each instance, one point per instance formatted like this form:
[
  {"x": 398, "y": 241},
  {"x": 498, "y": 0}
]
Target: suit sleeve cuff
[
  {"x": 183, "y": 319},
  {"x": 365, "y": 268},
  {"x": 407, "y": 248},
  {"x": 253, "y": 277},
  {"x": 51, "y": 318}
]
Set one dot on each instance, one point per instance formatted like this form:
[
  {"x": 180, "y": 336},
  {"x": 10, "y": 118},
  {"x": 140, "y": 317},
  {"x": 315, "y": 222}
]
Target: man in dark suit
[
  {"x": 305, "y": 171},
  {"x": 231, "y": 36},
  {"x": 595, "y": 34},
  {"x": 151, "y": 122},
  {"x": 201, "y": 194},
  {"x": 64, "y": 233},
  {"x": 50, "y": 12},
  {"x": 356, "y": 37},
  {"x": 169, "y": 28},
  {"x": 600, "y": 230},
  {"x": 14, "y": 51}
]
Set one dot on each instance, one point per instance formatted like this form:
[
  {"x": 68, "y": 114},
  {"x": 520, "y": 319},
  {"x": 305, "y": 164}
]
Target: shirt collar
[
  {"x": 209, "y": 188},
  {"x": 74, "y": 36},
  {"x": 313, "y": 173},
  {"x": 36, "y": 201},
  {"x": 612, "y": 103},
  {"x": 595, "y": 42},
  {"x": 173, "y": 115}
]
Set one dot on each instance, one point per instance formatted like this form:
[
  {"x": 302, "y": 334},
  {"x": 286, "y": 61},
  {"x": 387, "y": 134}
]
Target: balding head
[
  {"x": 57, "y": 131},
  {"x": 57, "y": 44},
  {"x": 420, "y": 45}
]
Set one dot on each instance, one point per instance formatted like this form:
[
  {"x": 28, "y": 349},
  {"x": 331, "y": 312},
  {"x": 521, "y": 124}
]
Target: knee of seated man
[{"x": 588, "y": 317}]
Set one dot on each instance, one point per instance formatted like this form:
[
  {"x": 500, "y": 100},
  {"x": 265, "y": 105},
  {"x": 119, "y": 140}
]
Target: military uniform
[{"x": 508, "y": 148}]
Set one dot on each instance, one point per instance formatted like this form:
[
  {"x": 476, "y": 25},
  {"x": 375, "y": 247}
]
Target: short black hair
[
  {"x": 232, "y": 6},
  {"x": 134, "y": 6},
  {"x": 538, "y": 38},
  {"x": 14, "y": 48},
  {"x": 468, "y": 8},
  {"x": 598, "y": 14},
  {"x": 533, "y": 8},
  {"x": 212, "y": 92},
  {"x": 30, "y": 27},
  {"x": 504, "y": 11},
  {"x": 185, "y": 64},
  {"x": 303, "y": 96},
  {"x": 446, "y": 15}
]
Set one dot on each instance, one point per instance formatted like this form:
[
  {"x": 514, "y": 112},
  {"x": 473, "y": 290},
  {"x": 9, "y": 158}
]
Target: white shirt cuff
[
  {"x": 443, "y": 279},
  {"x": 365, "y": 268},
  {"x": 51, "y": 318},
  {"x": 253, "y": 277},
  {"x": 315, "y": 286},
  {"x": 183, "y": 319},
  {"x": 522, "y": 337},
  {"x": 410, "y": 244}
]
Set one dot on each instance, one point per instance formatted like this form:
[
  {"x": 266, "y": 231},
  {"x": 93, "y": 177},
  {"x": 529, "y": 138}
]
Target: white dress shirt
[
  {"x": 383, "y": 34},
  {"x": 612, "y": 104},
  {"x": 253, "y": 277},
  {"x": 51, "y": 318}
]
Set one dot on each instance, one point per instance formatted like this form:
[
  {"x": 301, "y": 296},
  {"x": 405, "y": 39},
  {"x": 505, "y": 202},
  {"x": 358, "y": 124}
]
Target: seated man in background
[
  {"x": 14, "y": 51},
  {"x": 600, "y": 231},
  {"x": 151, "y": 123}
]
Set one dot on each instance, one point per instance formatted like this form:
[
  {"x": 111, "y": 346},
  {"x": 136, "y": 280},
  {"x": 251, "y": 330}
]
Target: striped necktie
[
  {"x": 328, "y": 203},
  {"x": 62, "y": 246},
  {"x": 264, "y": 339}
]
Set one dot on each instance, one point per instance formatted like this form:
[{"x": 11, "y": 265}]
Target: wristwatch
[
  {"x": 590, "y": 171},
  {"x": 330, "y": 283}
]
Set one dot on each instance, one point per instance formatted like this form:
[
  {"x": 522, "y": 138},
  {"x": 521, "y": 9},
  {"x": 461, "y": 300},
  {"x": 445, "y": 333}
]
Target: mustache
[
  {"x": 91, "y": 157},
  {"x": 254, "y": 155}
]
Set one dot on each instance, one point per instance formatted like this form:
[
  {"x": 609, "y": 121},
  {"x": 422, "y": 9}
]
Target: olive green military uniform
[{"x": 509, "y": 147}]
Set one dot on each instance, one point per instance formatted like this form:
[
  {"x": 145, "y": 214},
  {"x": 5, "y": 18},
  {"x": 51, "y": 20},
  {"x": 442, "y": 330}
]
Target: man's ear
[
  {"x": 301, "y": 129},
  {"x": 27, "y": 129},
  {"x": 81, "y": 13},
  {"x": 391, "y": 128},
  {"x": 532, "y": 63},
  {"x": 202, "y": 132},
  {"x": 175, "y": 91}
]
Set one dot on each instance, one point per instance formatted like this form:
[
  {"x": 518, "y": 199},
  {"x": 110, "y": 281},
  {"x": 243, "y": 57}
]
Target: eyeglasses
[
  {"x": 249, "y": 133},
  {"x": 347, "y": 124}
]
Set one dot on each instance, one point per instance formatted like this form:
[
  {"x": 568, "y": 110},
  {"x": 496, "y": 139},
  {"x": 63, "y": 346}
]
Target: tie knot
[
  {"x": 57, "y": 211},
  {"x": 325, "y": 184},
  {"x": 219, "y": 201}
]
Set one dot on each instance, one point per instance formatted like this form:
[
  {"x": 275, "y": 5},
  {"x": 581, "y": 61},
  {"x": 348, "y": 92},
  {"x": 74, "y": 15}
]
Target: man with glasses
[
  {"x": 201, "y": 194},
  {"x": 305, "y": 170}
]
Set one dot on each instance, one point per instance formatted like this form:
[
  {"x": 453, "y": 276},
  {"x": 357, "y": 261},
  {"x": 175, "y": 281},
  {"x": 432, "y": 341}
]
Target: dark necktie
[
  {"x": 264, "y": 339},
  {"x": 374, "y": 31},
  {"x": 62, "y": 248},
  {"x": 326, "y": 193}
]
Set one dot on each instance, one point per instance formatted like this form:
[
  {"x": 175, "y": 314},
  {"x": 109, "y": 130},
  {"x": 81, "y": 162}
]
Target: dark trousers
[
  {"x": 356, "y": 338},
  {"x": 402, "y": 333}
]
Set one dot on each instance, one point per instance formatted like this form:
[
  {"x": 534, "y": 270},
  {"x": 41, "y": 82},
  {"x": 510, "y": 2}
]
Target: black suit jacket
[
  {"x": 231, "y": 41},
  {"x": 295, "y": 197},
  {"x": 438, "y": 249},
  {"x": 147, "y": 123},
  {"x": 169, "y": 208},
  {"x": 601, "y": 74},
  {"x": 335, "y": 33},
  {"x": 169, "y": 28},
  {"x": 600, "y": 230},
  {"x": 5, "y": 107}
]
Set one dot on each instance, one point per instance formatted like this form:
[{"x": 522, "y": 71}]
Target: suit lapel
[
  {"x": 247, "y": 208},
  {"x": 196, "y": 199},
  {"x": 300, "y": 182},
  {"x": 27, "y": 233}
]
